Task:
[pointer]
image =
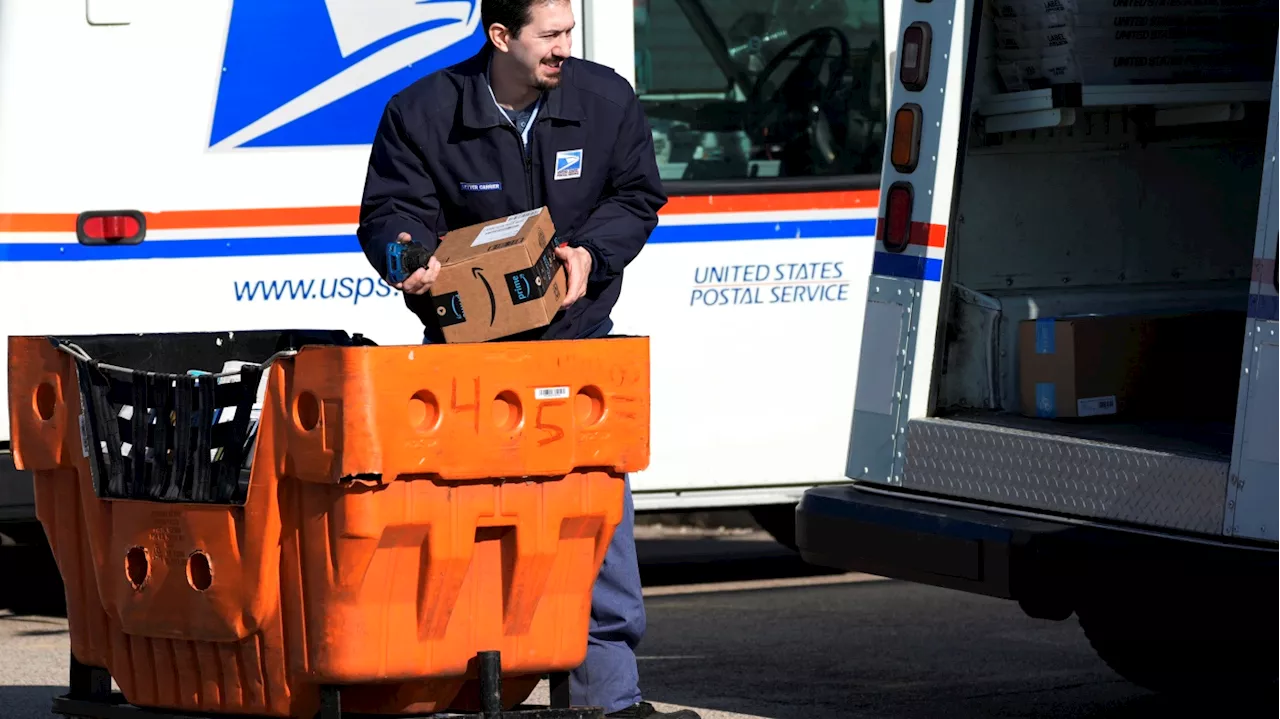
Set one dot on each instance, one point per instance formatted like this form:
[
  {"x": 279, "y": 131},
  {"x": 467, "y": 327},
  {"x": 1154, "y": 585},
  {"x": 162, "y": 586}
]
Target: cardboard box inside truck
[
  {"x": 1158, "y": 367},
  {"x": 499, "y": 278},
  {"x": 1077, "y": 367}
]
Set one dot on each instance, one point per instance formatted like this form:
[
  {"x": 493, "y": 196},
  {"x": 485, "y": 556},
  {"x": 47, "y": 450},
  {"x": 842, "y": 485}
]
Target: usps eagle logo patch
[{"x": 568, "y": 164}]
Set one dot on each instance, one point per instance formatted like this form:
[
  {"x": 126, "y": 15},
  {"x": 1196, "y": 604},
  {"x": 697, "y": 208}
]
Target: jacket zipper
[
  {"x": 528, "y": 165},
  {"x": 528, "y": 177}
]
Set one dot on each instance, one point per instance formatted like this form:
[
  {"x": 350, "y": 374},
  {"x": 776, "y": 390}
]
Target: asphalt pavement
[{"x": 740, "y": 628}]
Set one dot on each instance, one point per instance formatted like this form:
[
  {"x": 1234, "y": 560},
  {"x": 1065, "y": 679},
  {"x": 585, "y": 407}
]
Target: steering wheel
[{"x": 799, "y": 105}]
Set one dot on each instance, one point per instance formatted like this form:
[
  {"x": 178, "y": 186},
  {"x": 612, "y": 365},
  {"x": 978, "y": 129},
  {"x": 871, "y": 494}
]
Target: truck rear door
[
  {"x": 1252, "y": 486},
  {"x": 929, "y": 122}
]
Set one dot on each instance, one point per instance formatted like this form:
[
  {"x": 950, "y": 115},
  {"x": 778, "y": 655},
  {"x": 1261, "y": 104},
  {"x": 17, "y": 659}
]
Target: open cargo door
[
  {"x": 929, "y": 122},
  {"x": 1252, "y": 488}
]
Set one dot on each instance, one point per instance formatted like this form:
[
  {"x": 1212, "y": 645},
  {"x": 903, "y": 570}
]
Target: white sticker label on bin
[
  {"x": 545, "y": 393},
  {"x": 1095, "y": 406}
]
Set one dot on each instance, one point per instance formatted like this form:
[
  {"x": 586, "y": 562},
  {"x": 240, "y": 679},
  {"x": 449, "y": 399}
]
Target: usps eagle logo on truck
[{"x": 305, "y": 73}]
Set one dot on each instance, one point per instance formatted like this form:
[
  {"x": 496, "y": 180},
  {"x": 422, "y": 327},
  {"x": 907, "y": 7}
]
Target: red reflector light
[
  {"x": 111, "y": 227},
  {"x": 913, "y": 69},
  {"x": 115, "y": 227},
  {"x": 897, "y": 220}
]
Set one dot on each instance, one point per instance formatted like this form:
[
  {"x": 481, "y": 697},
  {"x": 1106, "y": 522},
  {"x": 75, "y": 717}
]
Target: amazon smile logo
[
  {"x": 308, "y": 73},
  {"x": 493, "y": 301}
]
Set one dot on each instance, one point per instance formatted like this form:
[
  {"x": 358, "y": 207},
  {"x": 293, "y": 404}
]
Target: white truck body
[
  {"x": 1138, "y": 178},
  {"x": 240, "y": 131}
]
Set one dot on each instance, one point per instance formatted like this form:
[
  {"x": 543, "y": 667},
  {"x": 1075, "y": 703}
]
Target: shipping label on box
[{"x": 499, "y": 278}]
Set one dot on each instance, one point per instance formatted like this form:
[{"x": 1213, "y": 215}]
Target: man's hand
[
  {"x": 420, "y": 282},
  {"x": 577, "y": 264}
]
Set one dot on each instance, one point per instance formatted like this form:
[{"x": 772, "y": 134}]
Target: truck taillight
[
  {"x": 905, "y": 150},
  {"x": 913, "y": 69},
  {"x": 897, "y": 217},
  {"x": 118, "y": 227}
]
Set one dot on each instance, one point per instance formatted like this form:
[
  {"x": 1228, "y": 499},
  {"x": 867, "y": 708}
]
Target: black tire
[
  {"x": 779, "y": 520},
  {"x": 1192, "y": 648}
]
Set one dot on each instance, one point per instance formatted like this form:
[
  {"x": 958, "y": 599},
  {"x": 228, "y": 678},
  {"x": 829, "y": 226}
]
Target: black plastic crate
[{"x": 153, "y": 431}]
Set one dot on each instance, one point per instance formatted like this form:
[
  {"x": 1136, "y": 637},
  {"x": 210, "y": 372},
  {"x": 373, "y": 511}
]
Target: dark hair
[{"x": 513, "y": 14}]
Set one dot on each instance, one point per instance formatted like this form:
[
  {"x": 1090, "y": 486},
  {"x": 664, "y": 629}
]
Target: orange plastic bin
[{"x": 404, "y": 509}]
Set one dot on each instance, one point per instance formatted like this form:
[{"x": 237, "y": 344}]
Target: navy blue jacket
[{"x": 446, "y": 157}]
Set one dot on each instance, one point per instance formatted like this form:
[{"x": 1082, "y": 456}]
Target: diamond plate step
[{"x": 1166, "y": 483}]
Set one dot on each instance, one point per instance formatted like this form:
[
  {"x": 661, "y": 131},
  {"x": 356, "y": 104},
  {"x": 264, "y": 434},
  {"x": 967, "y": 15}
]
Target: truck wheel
[
  {"x": 779, "y": 520},
  {"x": 1191, "y": 653}
]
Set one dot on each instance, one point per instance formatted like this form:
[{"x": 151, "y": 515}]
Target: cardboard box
[
  {"x": 499, "y": 278},
  {"x": 1156, "y": 367},
  {"x": 1078, "y": 367}
]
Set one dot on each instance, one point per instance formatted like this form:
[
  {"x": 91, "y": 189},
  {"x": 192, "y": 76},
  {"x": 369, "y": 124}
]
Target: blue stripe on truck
[
  {"x": 1264, "y": 307},
  {"x": 907, "y": 266}
]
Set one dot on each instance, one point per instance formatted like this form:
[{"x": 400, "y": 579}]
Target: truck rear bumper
[
  {"x": 1046, "y": 565},
  {"x": 905, "y": 538}
]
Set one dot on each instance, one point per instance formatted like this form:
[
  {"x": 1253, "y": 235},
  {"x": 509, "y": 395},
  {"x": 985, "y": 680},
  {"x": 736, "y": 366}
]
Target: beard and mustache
[{"x": 542, "y": 84}]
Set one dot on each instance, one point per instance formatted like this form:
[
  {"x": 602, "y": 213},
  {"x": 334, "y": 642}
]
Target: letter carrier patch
[
  {"x": 568, "y": 164},
  {"x": 480, "y": 186}
]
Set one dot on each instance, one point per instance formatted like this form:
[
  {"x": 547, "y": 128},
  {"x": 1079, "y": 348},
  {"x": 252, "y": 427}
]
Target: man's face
[{"x": 544, "y": 42}]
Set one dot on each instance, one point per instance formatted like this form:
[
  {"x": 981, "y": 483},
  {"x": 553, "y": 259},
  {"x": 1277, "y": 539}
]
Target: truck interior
[{"x": 1108, "y": 207}]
